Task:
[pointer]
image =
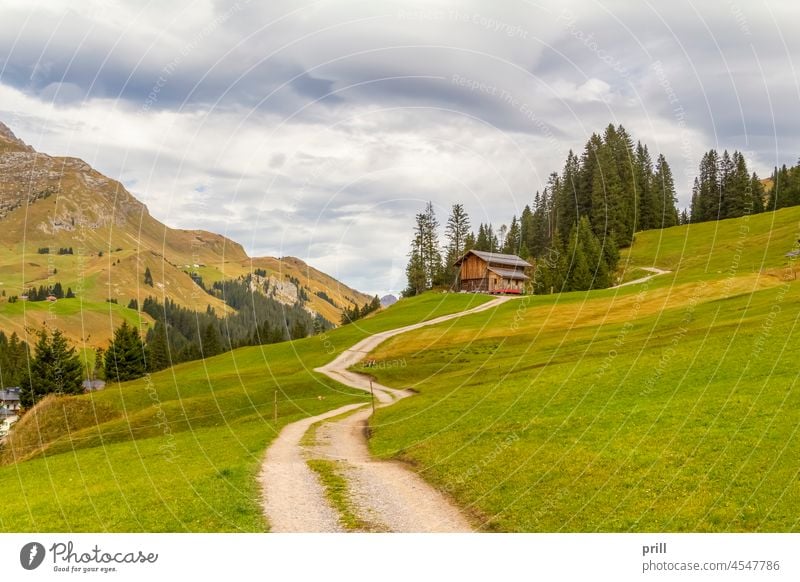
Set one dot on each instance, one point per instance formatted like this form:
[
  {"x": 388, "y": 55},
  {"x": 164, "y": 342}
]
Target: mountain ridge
[{"x": 50, "y": 203}]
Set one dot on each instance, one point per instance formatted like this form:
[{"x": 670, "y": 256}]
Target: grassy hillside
[
  {"x": 180, "y": 450},
  {"x": 54, "y": 202},
  {"x": 667, "y": 405}
]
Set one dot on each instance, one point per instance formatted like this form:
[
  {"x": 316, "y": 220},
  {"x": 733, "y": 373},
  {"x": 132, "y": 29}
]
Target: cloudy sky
[{"x": 318, "y": 129}]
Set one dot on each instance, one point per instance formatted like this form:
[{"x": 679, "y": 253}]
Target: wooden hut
[{"x": 492, "y": 272}]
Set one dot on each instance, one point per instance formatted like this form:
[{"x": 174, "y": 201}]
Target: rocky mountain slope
[{"x": 61, "y": 221}]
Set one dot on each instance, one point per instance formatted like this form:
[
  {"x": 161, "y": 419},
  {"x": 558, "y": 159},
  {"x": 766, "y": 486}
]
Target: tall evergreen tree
[
  {"x": 663, "y": 196},
  {"x": 157, "y": 350},
  {"x": 211, "y": 345},
  {"x": 513, "y": 241},
  {"x": 55, "y": 369},
  {"x": 124, "y": 359},
  {"x": 756, "y": 194},
  {"x": 416, "y": 270},
  {"x": 456, "y": 232},
  {"x": 431, "y": 255}
]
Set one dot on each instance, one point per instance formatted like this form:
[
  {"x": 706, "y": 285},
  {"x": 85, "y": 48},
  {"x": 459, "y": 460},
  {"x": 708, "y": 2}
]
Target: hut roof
[
  {"x": 509, "y": 274},
  {"x": 496, "y": 259}
]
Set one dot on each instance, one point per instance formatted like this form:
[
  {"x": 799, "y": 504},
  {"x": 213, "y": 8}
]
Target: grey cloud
[{"x": 296, "y": 117}]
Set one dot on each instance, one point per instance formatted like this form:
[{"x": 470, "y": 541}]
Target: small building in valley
[
  {"x": 9, "y": 399},
  {"x": 491, "y": 272}
]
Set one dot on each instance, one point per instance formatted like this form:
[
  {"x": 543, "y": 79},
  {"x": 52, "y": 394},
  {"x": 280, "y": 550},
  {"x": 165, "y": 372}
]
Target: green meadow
[
  {"x": 179, "y": 450},
  {"x": 669, "y": 405}
]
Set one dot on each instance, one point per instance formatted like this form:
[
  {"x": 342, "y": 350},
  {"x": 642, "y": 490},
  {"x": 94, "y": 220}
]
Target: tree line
[
  {"x": 572, "y": 231},
  {"x": 178, "y": 335},
  {"x": 56, "y": 290},
  {"x": 354, "y": 312}
]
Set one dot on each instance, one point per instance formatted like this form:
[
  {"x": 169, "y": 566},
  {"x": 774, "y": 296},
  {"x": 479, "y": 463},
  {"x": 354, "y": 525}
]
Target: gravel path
[
  {"x": 385, "y": 493},
  {"x": 656, "y": 272},
  {"x": 294, "y": 499}
]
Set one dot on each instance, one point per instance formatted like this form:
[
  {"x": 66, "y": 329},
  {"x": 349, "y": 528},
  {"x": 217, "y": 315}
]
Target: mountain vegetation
[
  {"x": 69, "y": 229},
  {"x": 573, "y": 229}
]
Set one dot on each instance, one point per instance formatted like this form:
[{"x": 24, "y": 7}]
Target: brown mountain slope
[{"x": 55, "y": 202}]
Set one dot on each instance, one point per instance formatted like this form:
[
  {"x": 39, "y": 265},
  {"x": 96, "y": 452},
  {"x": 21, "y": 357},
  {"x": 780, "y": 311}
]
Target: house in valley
[
  {"x": 491, "y": 272},
  {"x": 9, "y": 399}
]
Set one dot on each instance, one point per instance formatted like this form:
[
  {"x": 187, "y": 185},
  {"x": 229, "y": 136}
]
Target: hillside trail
[
  {"x": 656, "y": 272},
  {"x": 384, "y": 494}
]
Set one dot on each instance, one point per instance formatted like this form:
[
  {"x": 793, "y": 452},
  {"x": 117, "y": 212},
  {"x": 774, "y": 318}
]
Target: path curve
[
  {"x": 393, "y": 496},
  {"x": 656, "y": 272}
]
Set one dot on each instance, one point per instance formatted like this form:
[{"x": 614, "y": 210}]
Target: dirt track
[{"x": 383, "y": 493}]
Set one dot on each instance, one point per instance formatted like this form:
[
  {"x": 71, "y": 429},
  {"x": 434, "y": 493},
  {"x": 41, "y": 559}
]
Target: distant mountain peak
[
  {"x": 63, "y": 221},
  {"x": 10, "y": 142},
  {"x": 388, "y": 300}
]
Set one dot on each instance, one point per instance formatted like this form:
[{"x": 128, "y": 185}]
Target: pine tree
[
  {"x": 429, "y": 246},
  {"x": 157, "y": 350},
  {"x": 416, "y": 272},
  {"x": 580, "y": 274},
  {"x": 469, "y": 242},
  {"x": 663, "y": 195},
  {"x": 756, "y": 194},
  {"x": 98, "y": 372},
  {"x": 513, "y": 240},
  {"x": 148, "y": 277},
  {"x": 55, "y": 369},
  {"x": 456, "y": 233},
  {"x": 648, "y": 207},
  {"x": 210, "y": 342},
  {"x": 124, "y": 359}
]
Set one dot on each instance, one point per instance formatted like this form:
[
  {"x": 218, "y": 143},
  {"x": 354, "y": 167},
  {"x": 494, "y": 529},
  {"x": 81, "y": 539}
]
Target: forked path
[{"x": 383, "y": 493}]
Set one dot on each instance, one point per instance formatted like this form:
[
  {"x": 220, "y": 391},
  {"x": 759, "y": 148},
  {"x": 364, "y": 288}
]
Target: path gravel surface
[{"x": 383, "y": 493}]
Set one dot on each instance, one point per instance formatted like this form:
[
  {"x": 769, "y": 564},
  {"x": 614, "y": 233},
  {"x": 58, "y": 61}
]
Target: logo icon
[{"x": 31, "y": 555}]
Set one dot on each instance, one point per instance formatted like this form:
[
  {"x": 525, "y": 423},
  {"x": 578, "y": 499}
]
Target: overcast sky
[{"x": 318, "y": 129}]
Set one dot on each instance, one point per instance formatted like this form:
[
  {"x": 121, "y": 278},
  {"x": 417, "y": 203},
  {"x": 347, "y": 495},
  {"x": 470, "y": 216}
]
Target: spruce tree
[
  {"x": 157, "y": 351},
  {"x": 756, "y": 194},
  {"x": 55, "y": 369},
  {"x": 456, "y": 232},
  {"x": 124, "y": 359},
  {"x": 210, "y": 343},
  {"x": 580, "y": 274},
  {"x": 663, "y": 195}
]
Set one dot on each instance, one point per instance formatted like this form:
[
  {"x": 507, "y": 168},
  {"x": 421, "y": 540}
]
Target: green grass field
[
  {"x": 671, "y": 405},
  {"x": 668, "y": 405},
  {"x": 180, "y": 451}
]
